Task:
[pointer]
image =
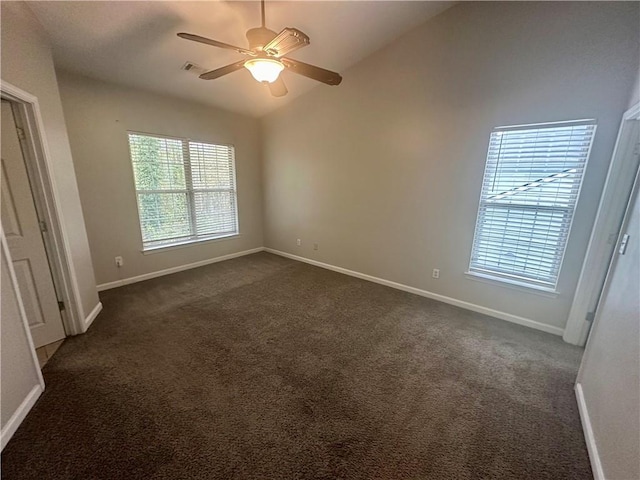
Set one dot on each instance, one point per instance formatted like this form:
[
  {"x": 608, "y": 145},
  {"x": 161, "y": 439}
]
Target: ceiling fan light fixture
[{"x": 264, "y": 69}]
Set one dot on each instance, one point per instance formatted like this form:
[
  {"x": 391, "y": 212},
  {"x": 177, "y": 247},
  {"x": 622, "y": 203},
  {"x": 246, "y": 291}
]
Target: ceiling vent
[{"x": 193, "y": 68}]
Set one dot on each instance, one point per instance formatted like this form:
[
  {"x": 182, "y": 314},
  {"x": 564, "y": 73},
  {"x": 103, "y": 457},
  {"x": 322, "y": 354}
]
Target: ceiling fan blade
[
  {"x": 213, "y": 74},
  {"x": 288, "y": 40},
  {"x": 278, "y": 88},
  {"x": 215, "y": 43},
  {"x": 311, "y": 71}
]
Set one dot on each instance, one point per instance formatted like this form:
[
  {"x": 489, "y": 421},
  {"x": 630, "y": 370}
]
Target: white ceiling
[{"x": 135, "y": 43}]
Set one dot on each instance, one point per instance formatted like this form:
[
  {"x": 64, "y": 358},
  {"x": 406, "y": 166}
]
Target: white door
[
  {"x": 24, "y": 238},
  {"x": 609, "y": 378}
]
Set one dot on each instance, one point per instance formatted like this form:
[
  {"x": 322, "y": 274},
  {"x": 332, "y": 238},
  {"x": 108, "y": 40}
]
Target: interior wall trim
[
  {"x": 47, "y": 201},
  {"x": 179, "y": 268},
  {"x": 424, "y": 293},
  {"x": 19, "y": 415},
  {"x": 92, "y": 316},
  {"x": 592, "y": 448}
]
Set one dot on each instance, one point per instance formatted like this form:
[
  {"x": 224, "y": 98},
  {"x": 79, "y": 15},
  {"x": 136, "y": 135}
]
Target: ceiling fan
[{"x": 267, "y": 50}]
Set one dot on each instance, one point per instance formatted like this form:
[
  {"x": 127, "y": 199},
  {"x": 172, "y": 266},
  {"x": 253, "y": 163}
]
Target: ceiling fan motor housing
[{"x": 259, "y": 37}]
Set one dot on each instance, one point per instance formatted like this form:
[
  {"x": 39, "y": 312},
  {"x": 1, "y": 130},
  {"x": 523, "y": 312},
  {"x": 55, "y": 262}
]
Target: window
[
  {"x": 529, "y": 193},
  {"x": 186, "y": 190}
]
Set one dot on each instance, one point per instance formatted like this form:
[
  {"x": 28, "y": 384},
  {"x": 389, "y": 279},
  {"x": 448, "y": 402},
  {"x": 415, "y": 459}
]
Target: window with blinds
[
  {"x": 531, "y": 184},
  {"x": 185, "y": 190}
]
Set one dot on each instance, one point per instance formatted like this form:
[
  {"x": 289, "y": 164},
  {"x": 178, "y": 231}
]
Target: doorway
[
  {"x": 608, "y": 385},
  {"x": 47, "y": 200},
  {"x": 24, "y": 229},
  {"x": 625, "y": 164}
]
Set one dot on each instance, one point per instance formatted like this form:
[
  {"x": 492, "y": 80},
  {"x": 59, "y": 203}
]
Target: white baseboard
[
  {"x": 92, "y": 316},
  {"x": 592, "y": 448},
  {"x": 180, "y": 268},
  {"x": 424, "y": 293},
  {"x": 19, "y": 415}
]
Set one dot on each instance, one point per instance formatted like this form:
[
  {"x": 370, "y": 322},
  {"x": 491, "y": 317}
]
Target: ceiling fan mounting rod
[{"x": 262, "y": 11}]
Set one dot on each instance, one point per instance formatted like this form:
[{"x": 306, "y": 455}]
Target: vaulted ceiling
[{"x": 135, "y": 43}]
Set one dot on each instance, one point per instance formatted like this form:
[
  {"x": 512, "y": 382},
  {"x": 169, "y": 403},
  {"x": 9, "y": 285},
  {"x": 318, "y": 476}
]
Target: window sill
[
  {"x": 187, "y": 243},
  {"x": 512, "y": 284}
]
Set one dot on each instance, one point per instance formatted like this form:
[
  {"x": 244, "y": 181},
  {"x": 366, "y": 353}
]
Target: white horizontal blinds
[
  {"x": 186, "y": 190},
  {"x": 158, "y": 167},
  {"x": 529, "y": 192},
  {"x": 214, "y": 196}
]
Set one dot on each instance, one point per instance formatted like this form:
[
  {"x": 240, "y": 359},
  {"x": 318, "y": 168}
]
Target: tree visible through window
[
  {"x": 529, "y": 193},
  {"x": 185, "y": 189}
]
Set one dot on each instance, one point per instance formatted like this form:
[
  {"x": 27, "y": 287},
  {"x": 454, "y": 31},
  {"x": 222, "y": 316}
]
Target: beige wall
[
  {"x": 18, "y": 369},
  {"x": 384, "y": 171},
  {"x": 27, "y": 63},
  {"x": 98, "y": 116}
]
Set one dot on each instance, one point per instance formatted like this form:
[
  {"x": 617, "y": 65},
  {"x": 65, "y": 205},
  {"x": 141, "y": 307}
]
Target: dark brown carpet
[{"x": 266, "y": 368}]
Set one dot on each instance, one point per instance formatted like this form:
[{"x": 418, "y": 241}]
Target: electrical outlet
[
  {"x": 315, "y": 246},
  {"x": 298, "y": 242},
  {"x": 436, "y": 273},
  {"x": 119, "y": 262}
]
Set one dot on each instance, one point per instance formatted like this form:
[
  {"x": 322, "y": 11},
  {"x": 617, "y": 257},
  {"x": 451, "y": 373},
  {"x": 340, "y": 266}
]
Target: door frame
[
  {"x": 25, "y": 407},
  {"x": 39, "y": 163},
  {"x": 613, "y": 203},
  {"x": 589, "y": 435}
]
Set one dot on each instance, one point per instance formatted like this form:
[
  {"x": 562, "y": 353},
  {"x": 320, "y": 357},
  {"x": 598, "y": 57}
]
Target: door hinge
[
  {"x": 21, "y": 134},
  {"x": 43, "y": 226},
  {"x": 590, "y": 316},
  {"x": 61, "y": 306},
  {"x": 623, "y": 244}
]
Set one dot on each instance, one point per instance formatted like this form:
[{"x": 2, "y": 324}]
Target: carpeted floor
[{"x": 265, "y": 368}]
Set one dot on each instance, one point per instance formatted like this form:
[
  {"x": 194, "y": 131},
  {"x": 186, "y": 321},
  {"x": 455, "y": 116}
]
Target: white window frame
[
  {"x": 151, "y": 247},
  {"x": 514, "y": 280}
]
